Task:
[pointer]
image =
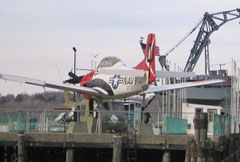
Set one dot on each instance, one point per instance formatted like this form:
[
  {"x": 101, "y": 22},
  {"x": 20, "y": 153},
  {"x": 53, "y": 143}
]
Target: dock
[
  {"x": 170, "y": 142},
  {"x": 42, "y": 136},
  {"x": 82, "y": 146}
]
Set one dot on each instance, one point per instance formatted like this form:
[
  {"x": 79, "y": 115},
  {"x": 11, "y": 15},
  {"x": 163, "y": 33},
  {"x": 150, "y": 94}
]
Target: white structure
[
  {"x": 189, "y": 112},
  {"x": 133, "y": 113}
]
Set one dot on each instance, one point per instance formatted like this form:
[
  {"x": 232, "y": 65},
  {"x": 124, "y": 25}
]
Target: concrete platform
[
  {"x": 171, "y": 142},
  {"x": 107, "y": 147}
]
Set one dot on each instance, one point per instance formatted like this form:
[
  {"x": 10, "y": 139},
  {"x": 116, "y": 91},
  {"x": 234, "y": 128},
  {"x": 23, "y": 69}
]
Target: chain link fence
[{"x": 56, "y": 121}]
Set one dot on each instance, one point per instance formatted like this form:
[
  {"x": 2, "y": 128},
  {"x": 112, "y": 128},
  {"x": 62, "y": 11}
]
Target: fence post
[
  {"x": 99, "y": 122},
  {"x": 159, "y": 122},
  {"x": 46, "y": 124}
]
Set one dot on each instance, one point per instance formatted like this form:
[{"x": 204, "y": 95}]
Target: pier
[{"x": 116, "y": 147}]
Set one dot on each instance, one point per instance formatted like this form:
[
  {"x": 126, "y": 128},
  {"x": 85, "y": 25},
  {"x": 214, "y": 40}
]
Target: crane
[{"x": 209, "y": 24}]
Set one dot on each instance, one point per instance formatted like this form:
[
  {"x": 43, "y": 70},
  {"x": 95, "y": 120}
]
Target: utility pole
[{"x": 74, "y": 70}]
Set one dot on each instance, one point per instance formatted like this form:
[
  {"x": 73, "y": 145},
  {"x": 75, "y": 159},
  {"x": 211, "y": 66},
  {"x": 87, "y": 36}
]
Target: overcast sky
[{"x": 36, "y": 37}]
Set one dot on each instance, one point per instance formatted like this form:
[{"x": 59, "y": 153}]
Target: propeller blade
[{"x": 74, "y": 78}]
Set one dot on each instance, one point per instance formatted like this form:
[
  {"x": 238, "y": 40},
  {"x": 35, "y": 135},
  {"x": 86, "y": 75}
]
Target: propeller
[{"x": 74, "y": 78}]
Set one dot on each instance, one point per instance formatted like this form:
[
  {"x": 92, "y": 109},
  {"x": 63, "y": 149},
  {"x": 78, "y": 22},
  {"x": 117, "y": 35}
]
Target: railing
[
  {"x": 30, "y": 121},
  {"x": 55, "y": 121},
  {"x": 234, "y": 157}
]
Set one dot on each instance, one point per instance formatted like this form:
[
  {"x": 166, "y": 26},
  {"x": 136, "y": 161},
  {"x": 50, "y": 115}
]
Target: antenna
[{"x": 94, "y": 62}]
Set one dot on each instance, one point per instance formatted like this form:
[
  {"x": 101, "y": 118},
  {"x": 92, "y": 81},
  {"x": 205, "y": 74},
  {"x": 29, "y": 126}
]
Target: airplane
[{"x": 112, "y": 79}]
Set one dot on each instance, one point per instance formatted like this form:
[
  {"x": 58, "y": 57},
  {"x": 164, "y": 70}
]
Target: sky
[{"x": 36, "y": 37}]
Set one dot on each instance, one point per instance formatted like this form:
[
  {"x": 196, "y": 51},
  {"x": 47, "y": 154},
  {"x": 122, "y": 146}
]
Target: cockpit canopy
[{"x": 109, "y": 62}]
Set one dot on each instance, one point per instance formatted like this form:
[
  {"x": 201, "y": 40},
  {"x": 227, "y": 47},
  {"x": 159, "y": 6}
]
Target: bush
[{"x": 19, "y": 98}]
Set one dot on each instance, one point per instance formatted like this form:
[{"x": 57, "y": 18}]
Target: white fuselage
[
  {"x": 119, "y": 85},
  {"x": 122, "y": 86}
]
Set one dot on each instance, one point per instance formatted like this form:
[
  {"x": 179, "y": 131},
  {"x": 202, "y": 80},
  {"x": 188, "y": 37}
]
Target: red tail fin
[{"x": 148, "y": 63}]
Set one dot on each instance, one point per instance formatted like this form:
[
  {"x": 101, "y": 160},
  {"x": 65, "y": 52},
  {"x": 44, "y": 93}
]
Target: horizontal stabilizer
[{"x": 161, "y": 88}]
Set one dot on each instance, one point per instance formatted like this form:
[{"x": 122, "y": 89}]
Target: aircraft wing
[
  {"x": 174, "y": 74},
  {"x": 79, "y": 89},
  {"x": 156, "y": 89}
]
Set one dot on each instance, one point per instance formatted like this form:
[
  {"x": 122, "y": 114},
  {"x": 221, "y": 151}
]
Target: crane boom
[{"x": 210, "y": 23}]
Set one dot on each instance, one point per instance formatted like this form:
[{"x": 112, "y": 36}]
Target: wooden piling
[
  {"x": 5, "y": 154},
  {"x": 210, "y": 152},
  {"x": 117, "y": 148},
  {"x": 199, "y": 147},
  {"x": 193, "y": 151},
  {"x": 197, "y": 125},
  {"x": 188, "y": 152},
  {"x": 21, "y": 139},
  {"x": 166, "y": 156},
  {"x": 201, "y": 153},
  {"x": 70, "y": 155},
  {"x": 203, "y": 126}
]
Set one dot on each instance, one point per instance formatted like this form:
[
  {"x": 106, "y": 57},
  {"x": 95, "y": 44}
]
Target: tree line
[{"x": 38, "y": 100}]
